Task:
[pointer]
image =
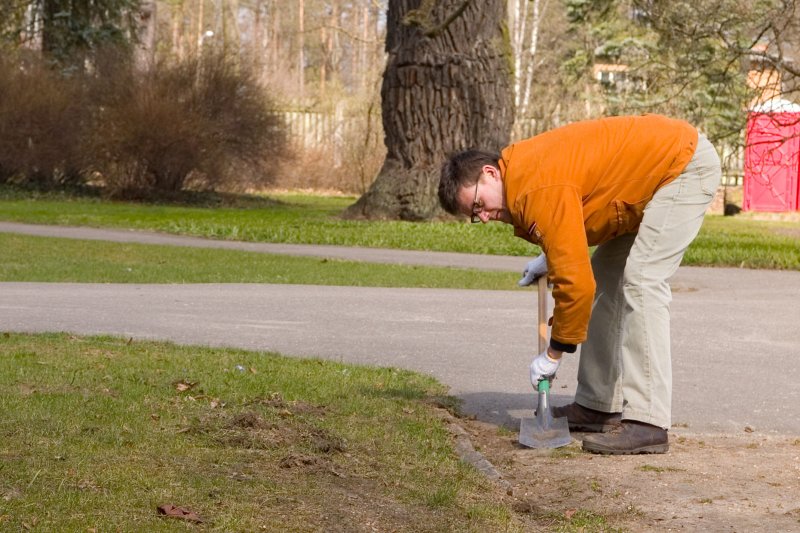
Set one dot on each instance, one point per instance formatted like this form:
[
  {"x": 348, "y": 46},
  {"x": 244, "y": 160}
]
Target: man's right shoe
[
  {"x": 582, "y": 418},
  {"x": 630, "y": 437}
]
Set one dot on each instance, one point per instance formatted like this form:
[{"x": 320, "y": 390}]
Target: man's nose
[{"x": 484, "y": 216}]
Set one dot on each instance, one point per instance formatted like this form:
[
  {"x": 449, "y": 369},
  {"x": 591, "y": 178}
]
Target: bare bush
[
  {"x": 315, "y": 169},
  {"x": 41, "y": 126},
  {"x": 196, "y": 124}
]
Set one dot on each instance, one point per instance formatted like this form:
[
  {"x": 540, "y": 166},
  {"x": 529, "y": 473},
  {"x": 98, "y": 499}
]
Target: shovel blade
[
  {"x": 552, "y": 433},
  {"x": 544, "y": 431}
]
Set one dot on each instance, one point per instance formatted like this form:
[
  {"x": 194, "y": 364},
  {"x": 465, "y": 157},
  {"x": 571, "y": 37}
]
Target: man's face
[{"x": 485, "y": 201}]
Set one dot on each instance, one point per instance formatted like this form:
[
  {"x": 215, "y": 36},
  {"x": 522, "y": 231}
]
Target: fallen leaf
[
  {"x": 748, "y": 429},
  {"x": 569, "y": 513},
  {"x": 171, "y": 511},
  {"x": 183, "y": 385},
  {"x": 253, "y": 370}
]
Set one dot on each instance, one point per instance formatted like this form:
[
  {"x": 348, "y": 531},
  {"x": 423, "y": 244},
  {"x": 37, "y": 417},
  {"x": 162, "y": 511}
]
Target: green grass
[
  {"x": 97, "y": 432},
  {"x": 46, "y": 259},
  {"x": 291, "y": 218},
  {"x": 299, "y": 219},
  {"x": 658, "y": 469},
  {"x": 576, "y": 521},
  {"x": 744, "y": 242}
]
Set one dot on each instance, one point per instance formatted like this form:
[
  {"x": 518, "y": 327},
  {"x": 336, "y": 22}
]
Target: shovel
[{"x": 544, "y": 431}]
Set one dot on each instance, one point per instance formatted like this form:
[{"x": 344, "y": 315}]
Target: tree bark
[
  {"x": 148, "y": 16},
  {"x": 446, "y": 87}
]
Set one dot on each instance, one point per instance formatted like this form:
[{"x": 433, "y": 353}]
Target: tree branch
[{"x": 422, "y": 18}]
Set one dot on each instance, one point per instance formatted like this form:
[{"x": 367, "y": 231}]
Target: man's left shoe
[{"x": 630, "y": 437}]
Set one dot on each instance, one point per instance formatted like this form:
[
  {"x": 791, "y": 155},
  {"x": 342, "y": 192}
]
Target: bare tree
[{"x": 527, "y": 26}]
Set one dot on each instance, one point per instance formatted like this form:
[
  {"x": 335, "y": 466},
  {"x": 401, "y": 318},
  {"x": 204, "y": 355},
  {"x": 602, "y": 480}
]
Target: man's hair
[{"x": 460, "y": 170}]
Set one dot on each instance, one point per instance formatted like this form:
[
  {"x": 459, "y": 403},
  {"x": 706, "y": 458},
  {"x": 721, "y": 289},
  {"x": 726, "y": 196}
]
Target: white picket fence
[
  {"x": 311, "y": 130},
  {"x": 315, "y": 130}
]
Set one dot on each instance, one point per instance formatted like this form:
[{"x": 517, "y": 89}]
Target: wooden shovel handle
[{"x": 542, "y": 295}]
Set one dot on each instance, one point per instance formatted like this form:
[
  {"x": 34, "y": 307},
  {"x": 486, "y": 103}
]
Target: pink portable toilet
[{"x": 772, "y": 158}]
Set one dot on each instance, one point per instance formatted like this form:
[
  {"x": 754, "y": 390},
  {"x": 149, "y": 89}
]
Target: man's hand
[
  {"x": 533, "y": 270},
  {"x": 543, "y": 366}
]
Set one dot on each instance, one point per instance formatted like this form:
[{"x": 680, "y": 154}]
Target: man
[{"x": 637, "y": 187}]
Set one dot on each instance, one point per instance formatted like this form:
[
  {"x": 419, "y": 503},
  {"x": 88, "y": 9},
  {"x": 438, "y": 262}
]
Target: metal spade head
[{"x": 544, "y": 431}]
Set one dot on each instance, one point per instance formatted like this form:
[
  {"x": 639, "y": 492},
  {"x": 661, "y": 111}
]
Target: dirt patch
[
  {"x": 296, "y": 407},
  {"x": 709, "y": 483},
  {"x": 298, "y": 460},
  {"x": 323, "y": 441},
  {"x": 269, "y": 423},
  {"x": 249, "y": 420}
]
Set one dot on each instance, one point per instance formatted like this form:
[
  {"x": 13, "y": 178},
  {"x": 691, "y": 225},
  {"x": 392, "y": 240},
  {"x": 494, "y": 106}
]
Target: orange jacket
[{"x": 583, "y": 184}]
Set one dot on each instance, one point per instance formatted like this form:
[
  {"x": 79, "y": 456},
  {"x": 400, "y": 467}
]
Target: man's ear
[{"x": 491, "y": 170}]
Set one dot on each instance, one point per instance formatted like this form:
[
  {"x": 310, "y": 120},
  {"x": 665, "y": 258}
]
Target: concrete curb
[{"x": 467, "y": 453}]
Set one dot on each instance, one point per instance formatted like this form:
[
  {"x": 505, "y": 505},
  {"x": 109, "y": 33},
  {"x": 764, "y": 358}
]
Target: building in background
[{"x": 772, "y": 141}]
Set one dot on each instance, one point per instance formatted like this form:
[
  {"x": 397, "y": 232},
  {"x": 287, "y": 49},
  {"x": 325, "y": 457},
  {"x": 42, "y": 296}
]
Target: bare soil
[{"x": 746, "y": 482}]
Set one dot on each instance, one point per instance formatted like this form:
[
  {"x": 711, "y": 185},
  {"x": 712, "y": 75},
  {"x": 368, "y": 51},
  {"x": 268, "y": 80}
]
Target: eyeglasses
[{"x": 476, "y": 207}]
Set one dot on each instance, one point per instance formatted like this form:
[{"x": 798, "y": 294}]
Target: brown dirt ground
[{"x": 747, "y": 482}]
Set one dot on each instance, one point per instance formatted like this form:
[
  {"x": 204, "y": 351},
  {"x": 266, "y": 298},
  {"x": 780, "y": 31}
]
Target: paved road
[{"x": 736, "y": 348}]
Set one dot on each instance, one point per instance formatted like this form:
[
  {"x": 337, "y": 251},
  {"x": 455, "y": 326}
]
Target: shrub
[
  {"x": 197, "y": 124},
  {"x": 42, "y": 123},
  {"x": 144, "y": 133}
]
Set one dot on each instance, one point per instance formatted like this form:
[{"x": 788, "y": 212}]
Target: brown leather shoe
[
  {"x": 630, "y": 437},
  {"x": 582, "y": 418}
]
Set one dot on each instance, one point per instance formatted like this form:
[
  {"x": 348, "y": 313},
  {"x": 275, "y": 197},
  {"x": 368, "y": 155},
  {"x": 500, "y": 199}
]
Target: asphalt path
[{"x": 736, "y": 332}]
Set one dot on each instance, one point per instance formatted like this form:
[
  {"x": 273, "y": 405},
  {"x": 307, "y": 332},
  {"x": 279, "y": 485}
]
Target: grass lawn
[
  {"x": 744, "y": 242},
  {"x": 45, "y": 259},
  {"x": 96, "y": 433},
  {"x": 291, "y": 218}
]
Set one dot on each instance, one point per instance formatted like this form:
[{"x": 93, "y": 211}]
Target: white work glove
[
  {"x": 543, "y": 366},
  {"x": 533, "y": 270}
]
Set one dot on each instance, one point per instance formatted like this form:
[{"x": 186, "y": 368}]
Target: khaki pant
[{"x": 625, "y": 364}]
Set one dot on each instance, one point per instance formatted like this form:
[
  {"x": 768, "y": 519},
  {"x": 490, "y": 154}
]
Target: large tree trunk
[{"x": 446, "y": 87}]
